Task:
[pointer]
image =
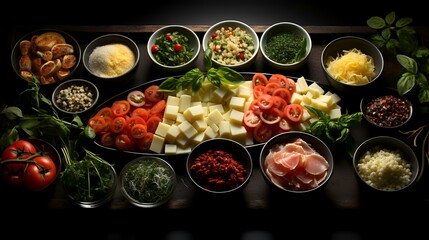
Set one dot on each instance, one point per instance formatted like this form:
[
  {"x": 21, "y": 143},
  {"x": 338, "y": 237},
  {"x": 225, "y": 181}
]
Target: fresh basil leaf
[
  {"x": 230, "y": 76},
  {"x": 197, "y": 83},
  {"x": 29, "y": 124},
  {"x": 408, "y": 63},
  {"x": 8, "y": 137},
  {"x": 386, "y": 33},
  {"x": 214, "y": 77},
  {"x": 390, "y": 18},
  {"x": 170, "y": 84},
  {"x": 402, "y": 22},
  {"x": 376, "y": 22},
  {"x": 189, "y": 79},
  {"x": 405, "y": 83},
  {"x": 12, "y": 113}
]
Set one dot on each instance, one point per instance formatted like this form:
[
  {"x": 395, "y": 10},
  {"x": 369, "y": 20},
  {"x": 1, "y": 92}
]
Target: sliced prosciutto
[{"x": 296, "y": 166}]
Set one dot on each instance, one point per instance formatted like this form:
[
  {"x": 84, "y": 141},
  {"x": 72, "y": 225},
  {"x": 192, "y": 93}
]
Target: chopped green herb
[
  {"x": 172, "y": 49},
  {"x": 285, "y": 48}
]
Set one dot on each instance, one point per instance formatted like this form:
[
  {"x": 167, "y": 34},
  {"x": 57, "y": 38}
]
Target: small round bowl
[
  {"x": 224, "y": 153},
  {"x": 236, "y": 59},
  {"x": 148, "y": 181},
  {"x": 335, "y": 49},
  {"x": 112, "y": 59},
  {"x": 158, "y": 47},
  {"x": 386, "y": 109},
  {"x": 292, "y": 174},
  {"x": 285, "y": 46},
  {"x": 50, "y": 55},
  {"x": 379, "y": 165},
  {"x": 100, "y": 197},
  {"x": 75, "y": 96}
]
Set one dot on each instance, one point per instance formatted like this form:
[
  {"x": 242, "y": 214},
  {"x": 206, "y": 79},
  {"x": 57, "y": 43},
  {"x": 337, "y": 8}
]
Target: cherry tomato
[
  {"x": 251, "y": 119},
  {"x": 258, "y": 91},
  {"x": 283, "y": 93},
  {"x": 136, "y": 98},
  {"x": 151, "y": 94},
  {"x": 108, "y": 139},
  {"x": 284, "y": 125},
  {"x": 97, "y": 123},
  {"x": 123, "y": 142},
  {"x": 294, "y": 112},
  {"x": 138, "y": 130},
  {"x": 264, "y": 101},
  {"x": 152, "y": 123},
  {"x": 154, "y": 48},
  {"x": 37, "y": 177},
  {"x": 141, "y": 112},
  {"x": 214, "y": 35},
  {"x": 105, "y": 112},
  {"x": 270, "y": 87},
  {"x": 168, "y": 37},
  {"x": 284, "y": 82},
  {"x": 178, "y": 47},
  {"x": 158, "y": 107},
  {"x": 262, "y": 132},
  {"x": 259, "y": 79},
  {"x": 120, "y": 108},
  {"x": 241, "y": 55},
  {"x": 118, "y": 124},
  {"x": 271, "y": 116},
  {"x": 143, "y": 144}
]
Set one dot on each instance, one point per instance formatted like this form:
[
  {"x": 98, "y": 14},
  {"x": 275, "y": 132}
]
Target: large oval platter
[{"x": 123, "y": 95}]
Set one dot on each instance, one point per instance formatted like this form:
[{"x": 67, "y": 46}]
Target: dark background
[{"x": 213, "y": 224}]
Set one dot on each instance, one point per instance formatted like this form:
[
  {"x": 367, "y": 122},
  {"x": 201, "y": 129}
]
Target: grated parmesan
[
  {"x": 384, "y": 169},
  {"x": 111, "y": 60},
  {"x": 353, "y": 67}
]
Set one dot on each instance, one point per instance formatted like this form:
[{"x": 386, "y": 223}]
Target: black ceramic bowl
[
  {"x": 336, "y": 48},
  {"x": 386, "y": 164},
  {"x": 75, "y": 96},
  {"x": 294, "y": 169},
  {"x": 224, "y": 152},
  {"x": 386, "y": 109},
  {"x": 66, "y": 59},
  {"x": 115, "y": 60}
]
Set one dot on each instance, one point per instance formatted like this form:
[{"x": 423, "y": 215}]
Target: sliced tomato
[
  {"x": 258, "y": 91},
  {"x": 278, "y": 102},
  {"x": 271, "y": 116},
  {"x": 118, "y": 124},
  {"x": 151, "y": 93},
  {"x": 270, "y": 87},
  {"x": 136, "y": 98},
  {"x": 152, "y": 123},
  {"x": 294, "y": 112},
  {"x": 259, "y": 79},
  {"x": 143, "y": 144},
  {"x": 284, "y": 82},
  {"x": 284, "y": 125},
  {"x": 97, "y": 123},
  {"x": 141, "y": 112},
  {"x": 251, "y": 119},
  {"x": 255, "y": 107},
  {"x": 158, "y": 107},
  {"x": 123, "y": 142},
  {"x": 262, "y": 132},
  {"x": 120, "y": 108},
  {"x": 133, "y": 120},
  {"x": 108, "y": 139},
  {"x": 138, "y": 130},
  {"x": 284, "y": 93},
  {"x": 105, "y": 112},
  {"x": 264, "y": 101}
]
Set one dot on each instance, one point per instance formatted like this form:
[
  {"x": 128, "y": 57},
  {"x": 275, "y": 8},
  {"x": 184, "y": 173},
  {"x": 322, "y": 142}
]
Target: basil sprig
[{"x": 194, "y": 78}]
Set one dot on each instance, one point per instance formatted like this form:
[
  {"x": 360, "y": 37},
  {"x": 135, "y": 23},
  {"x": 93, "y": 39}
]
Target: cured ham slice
[{"x": 296, "y": 166}]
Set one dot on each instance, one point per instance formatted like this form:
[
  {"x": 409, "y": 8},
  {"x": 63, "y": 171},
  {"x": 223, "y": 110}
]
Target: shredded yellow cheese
[
  {"x": 353, "y": 67},
  {"x": 111, "y": 60}
]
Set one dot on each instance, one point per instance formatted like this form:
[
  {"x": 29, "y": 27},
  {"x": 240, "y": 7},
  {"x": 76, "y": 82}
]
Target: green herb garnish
[
  {"x": 401, "y": 39},
  {"x": 335, "y": 131},
  {"x": 148, "y": 181},
  {"x": 172, "y": 49},
  {"x": 194, "y": 78}
]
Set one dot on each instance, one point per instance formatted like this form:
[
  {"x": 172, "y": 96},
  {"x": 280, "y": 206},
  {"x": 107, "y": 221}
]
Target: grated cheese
[
  {"x": 111, "y": 60},
  {"x": 353, "y": 67}
]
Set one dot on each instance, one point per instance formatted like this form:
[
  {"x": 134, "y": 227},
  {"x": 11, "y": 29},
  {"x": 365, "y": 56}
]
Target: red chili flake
[
  {"x": 217, "y": 170},
  {"x": 387, "y": 111}
]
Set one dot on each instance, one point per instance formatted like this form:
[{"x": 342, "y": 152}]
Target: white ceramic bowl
[
  {"x": 188, "y": 40},
  {"x": 252, "y": 40},
  {"x": 282, "y": 54}
]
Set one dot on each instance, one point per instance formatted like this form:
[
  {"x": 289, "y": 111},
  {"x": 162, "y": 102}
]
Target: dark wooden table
[{"x": 342, "y": 195}]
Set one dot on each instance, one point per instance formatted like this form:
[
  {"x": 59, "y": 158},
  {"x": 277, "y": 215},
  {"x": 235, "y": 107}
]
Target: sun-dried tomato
[{"x": 217, "y": 170}]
